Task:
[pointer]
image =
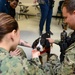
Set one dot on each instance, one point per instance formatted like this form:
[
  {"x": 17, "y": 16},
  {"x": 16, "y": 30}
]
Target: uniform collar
[{"x": 2, "y": 50}]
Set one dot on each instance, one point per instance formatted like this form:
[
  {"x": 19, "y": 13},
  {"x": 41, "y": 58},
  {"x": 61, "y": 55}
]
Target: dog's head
[{"x": 41, "y": 42}]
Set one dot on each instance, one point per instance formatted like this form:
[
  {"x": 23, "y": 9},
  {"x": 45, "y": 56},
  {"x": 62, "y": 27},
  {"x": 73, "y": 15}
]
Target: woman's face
[{"x": 13, "y": 4}]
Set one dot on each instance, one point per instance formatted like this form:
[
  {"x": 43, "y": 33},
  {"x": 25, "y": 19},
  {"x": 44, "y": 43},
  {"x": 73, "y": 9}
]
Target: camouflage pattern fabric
[
  {"x": 19, "y": 66},
  {"x": 68, "y": 65},
  {"x": 22, "y": 54},
  {"x": 53, "y": 65}
]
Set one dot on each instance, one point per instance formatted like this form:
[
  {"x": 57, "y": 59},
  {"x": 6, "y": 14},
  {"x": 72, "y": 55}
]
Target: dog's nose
[{"x": 38, "y": 48}]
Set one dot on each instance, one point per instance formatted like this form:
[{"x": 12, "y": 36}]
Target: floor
[{"x": 30, "y": 31}]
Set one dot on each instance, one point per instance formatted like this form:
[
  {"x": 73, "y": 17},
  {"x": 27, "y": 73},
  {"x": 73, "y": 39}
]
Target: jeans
[{"x": 46, "y": 15}]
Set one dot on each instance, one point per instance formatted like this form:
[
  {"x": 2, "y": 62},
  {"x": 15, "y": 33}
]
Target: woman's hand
[
  {"x": 35, "y": 53},
  {"x": 15, "y": 52}
]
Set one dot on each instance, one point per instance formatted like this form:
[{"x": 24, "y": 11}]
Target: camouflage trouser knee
[
  {"x": 53, "y": 66},
  {"x": 48, "y": 69},
  {"x": 57, "y": 68},
  {"x": 22, "y": 53}
]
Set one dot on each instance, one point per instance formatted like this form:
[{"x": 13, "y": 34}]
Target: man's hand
[
  {"x": 50, "y": 40},
  {"x": 24, "y": 43}
]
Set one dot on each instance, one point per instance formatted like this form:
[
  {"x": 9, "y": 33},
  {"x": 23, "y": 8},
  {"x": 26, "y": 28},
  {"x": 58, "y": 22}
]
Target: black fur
[{"x": 44, "y": 42}]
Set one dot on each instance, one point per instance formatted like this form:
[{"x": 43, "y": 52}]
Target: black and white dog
[{"x": 41, "y": 42}]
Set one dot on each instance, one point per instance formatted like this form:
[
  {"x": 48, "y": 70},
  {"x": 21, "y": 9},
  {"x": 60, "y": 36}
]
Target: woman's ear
[{"x": 13, "y": 35}]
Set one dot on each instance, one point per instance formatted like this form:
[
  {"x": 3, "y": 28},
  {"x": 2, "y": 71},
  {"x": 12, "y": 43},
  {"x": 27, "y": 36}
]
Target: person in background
[
  {"x": 8, "y": 6},
  {"x": 13, "y": 5},
  {"x": 46, "y": 7},
  {"x": 9, "y": 39}
]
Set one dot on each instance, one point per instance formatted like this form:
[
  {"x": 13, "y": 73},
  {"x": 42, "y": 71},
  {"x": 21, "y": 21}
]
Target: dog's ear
[
  {"x": 35, "y": 43},
  {"x": 45, "y": 35}
]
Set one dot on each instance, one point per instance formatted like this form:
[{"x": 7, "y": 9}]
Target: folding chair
[{"x": 59, "y": 12}]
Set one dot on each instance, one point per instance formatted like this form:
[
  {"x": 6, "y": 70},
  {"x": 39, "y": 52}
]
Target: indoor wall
[{"x": 54, "y": 9}]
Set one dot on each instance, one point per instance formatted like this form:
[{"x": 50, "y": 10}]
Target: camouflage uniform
[
  {"x": 19, "y": 66},
  {"x": 22, "y": 53},
  {"x": 54, "y": 67},
  {"x": 68, "y": 66},
  {"x": 65, "y": 68}
]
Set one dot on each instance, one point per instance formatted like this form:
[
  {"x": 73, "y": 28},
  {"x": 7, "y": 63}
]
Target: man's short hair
[{"x": 70, "y": 5}]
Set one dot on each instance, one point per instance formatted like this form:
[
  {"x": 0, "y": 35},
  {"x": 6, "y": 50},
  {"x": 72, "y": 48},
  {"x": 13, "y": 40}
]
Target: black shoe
[
  {"x": 51, "y": 33},
  {"x": 40, "y": 33}
]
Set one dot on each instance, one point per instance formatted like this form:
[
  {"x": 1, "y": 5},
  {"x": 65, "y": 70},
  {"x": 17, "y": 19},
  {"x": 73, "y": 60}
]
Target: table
[
  {"x": 28, "y": 4},
  {"x": 24, "y": 8}
]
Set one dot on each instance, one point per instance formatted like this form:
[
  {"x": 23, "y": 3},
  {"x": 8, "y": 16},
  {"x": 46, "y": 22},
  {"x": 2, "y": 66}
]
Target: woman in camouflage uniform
[{"x": 16, "y": 65}]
